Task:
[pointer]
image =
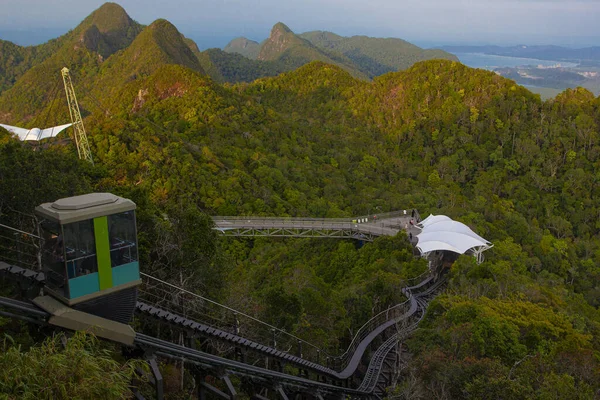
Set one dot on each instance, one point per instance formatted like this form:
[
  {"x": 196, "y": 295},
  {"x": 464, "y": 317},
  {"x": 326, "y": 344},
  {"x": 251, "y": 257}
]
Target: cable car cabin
[{"x": 90, "y": 255}]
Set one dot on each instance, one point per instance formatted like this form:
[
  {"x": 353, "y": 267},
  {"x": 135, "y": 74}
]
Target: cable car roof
[{"x": 87, "y": 206}]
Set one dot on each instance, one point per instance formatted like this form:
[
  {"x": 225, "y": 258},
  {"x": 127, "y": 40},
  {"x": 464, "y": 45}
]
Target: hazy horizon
[{"x": 426, "y": 23}]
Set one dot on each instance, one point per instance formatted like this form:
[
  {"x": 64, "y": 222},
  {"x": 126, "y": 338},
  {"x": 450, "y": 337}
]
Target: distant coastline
[{"x": 491, "y": 62}]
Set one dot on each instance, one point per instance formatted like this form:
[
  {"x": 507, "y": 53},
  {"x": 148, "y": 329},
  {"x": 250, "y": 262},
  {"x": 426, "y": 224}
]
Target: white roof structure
[
  {"x": 432, "y": 219},
  {"x": 440, "y": 232},
  {"x": 35, "y": 133}
]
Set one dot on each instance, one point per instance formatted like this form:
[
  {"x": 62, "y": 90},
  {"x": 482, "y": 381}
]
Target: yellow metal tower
[{"x": 81, "y": 141}]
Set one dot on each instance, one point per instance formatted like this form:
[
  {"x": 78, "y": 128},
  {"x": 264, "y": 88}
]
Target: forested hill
[
  {"x": 246, "y": 47},
  {"x": 318, "y": 142},
  {"x": 371, "y": 56},
  {"x": 105, "y": 31},
  {"x": 375, "y": 56},
  {"x": 287, "y": 48},
  {"x": 100, "y": 35}
]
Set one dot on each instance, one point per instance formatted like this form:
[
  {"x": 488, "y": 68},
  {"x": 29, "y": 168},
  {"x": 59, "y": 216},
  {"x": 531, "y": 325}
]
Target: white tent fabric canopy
[
  {"x": 432, "y": 219},
  {"x": 35, "y": 133},
  {"x": 440, "y": 232}
]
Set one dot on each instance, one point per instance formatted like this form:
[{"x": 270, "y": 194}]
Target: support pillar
[
  {"x": 282, "y": 393},
  {"x": 156, "y": 379}
]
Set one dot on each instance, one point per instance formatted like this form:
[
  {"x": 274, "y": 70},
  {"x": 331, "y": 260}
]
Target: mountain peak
[
  {"x": 280, "y": 27},
  {"x": 107, "y": 30},
  {"x": 158, "y": 44},
  {"x": 281, "y": 38},
  {"x": 108, "y": 17},
  {"x": 244, "y": 46},
  {"x": 162, "y": 23}
]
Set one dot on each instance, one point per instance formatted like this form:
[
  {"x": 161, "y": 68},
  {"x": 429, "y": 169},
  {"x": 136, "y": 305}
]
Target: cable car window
[
  {"x": 80, "y": 248},
  {"x": 122, "y": 238},
  {"x": 53, "y": 255}
]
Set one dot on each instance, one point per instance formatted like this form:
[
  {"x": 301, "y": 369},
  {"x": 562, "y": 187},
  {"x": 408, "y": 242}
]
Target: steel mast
[{"x": 81, "y": 141}]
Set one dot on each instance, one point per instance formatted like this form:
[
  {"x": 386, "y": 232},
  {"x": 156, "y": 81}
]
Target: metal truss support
[
  {"x": 282, "y": 393},
  {"x": 81, "y": 140},
  {"x": 199, "y": 376},
  {"x": 232, "y": 392},
  {"x": 299, "y": 232},
  {"x": 203, "y": 386},
  {"x": 214, "y": 390},
  {"x": 156, "y": 379}
]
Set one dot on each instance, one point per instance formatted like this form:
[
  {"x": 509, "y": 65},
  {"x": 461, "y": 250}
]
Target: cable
[
  {"x": 53, "y": 97},
  {"x": 20, "y": 231}
]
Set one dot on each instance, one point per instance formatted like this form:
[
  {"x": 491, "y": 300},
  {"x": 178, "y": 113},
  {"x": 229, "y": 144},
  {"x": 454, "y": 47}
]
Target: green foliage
[
  {"x": 315, "y": 288},
  {"x": 364, "y": 57},
  {"x": 233, "y": 67},
  {"x": 375, "y": 56},
  {"x": 51, "y": 173},
  {"x": 79, "y": 370},
  {"x": 292, "y": 51},
  {"x": 82, "y": 50},
  {"x": 245, "y": 47}
]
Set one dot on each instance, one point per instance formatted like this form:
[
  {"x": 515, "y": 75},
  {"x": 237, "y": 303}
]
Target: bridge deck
[{"x": 361, "y": 228}]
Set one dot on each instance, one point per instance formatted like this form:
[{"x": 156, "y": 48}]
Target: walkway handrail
[
  {"x": 373, "y": 217},
  {"x": 292, "y": 219},
  {"x": 374, "y": 369},
  {"x": 19, "y": 231},
  {"x": 377, "y": 320},
  {"x": 268, "y": 334},
  {"x": 274, "y": 333},
  {"x": 391, "y": 313},
  {"x": 20, "y": 248},
  {"x": 356, "y": 229}
]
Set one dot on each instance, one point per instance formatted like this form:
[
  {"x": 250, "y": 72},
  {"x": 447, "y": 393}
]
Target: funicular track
[
  {"x": 319, "y": 373},
  {"x": 406, "y": 315}
]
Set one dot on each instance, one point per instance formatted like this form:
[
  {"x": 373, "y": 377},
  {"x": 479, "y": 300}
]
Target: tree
[{"x": 80, "y": 369}]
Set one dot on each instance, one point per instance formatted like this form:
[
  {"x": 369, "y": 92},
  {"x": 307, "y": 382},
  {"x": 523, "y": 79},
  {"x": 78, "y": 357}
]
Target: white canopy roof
[
  {"x": 442, "y": 233},
  {"x": 432, "y": 219},
  {"x": 35, "y": 133}
]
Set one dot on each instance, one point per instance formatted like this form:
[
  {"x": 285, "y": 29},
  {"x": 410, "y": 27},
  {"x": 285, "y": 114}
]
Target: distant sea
[{"x": 490, "y": 62}]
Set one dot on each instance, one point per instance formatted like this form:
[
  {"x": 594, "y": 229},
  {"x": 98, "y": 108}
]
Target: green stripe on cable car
[{"x": 103, "y": 252}]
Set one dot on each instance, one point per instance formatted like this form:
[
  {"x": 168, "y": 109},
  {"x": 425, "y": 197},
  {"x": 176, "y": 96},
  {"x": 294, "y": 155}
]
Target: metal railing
[
  {"x": 196, "y": 307},
  {"x": 238, "y": 226},
  {"x": 373, "y": 217},
  {"x": 393, "y": 313},
  {"x": 19, "y": 248}
]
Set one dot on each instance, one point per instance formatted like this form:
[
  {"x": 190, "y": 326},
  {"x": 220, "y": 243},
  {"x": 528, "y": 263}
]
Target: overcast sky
[{"x": 424, "y": 22}]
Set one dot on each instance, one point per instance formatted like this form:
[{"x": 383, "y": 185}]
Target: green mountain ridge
[
  {"x": 83, "y": 50},
  {"x": 287, "y": 48},
  {"x": 234, "y": 67},
  {"x": 375, "y": 56},
  {"x": 370, "y": 56},
  {"x": 107, "y": 30},
  {"x": 160, "y": 43},
  {"x": 246, "y": 47},
  {"x": 136, "y": 52}
]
